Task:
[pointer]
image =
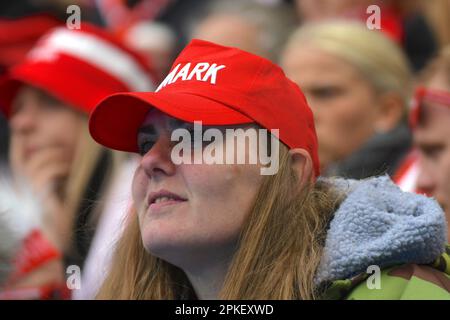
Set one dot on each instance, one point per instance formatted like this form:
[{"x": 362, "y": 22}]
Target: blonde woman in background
[
  {"x": 357, "y": 82},
  {"x": 403, "y": 21}
]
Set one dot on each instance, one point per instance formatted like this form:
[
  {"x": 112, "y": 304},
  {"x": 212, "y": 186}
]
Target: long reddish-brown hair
[{"x": 279, "y": 250}]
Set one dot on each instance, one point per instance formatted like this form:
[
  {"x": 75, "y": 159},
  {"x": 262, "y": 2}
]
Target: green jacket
[{"x": 404, "y": 282}]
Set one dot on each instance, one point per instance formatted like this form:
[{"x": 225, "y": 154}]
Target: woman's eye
[
  {"x": 325, "y": 92},
  {"x": 49, "y": 103},
  {"x": 433, "y": 151},
  {"x": 145, "y": 146}
]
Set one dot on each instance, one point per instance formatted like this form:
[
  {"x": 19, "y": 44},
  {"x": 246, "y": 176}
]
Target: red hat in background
[
  {"x": 18, "y": 36},
  {"x": 423, "y": 94},
  {"x": 79, "y": 67},
  {"x": 217, "y": 85}
]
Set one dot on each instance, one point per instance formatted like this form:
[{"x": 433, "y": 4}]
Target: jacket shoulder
[{"x": 404, "y": 282}]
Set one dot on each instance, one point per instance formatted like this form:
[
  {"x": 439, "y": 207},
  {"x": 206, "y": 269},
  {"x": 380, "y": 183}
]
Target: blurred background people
[
  {"x": 248, "y": 25},
  {"x": 430, "y": 119},
  {"x": 156, "y": 41},
  {"x": 357, "y": 82},
  {"x": 47, "y": 99},
  {"x": 17, "y": 36},
  {"x": 403, "y": 21}
]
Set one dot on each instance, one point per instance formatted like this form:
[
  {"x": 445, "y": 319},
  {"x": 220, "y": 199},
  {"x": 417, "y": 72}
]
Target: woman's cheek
[
  {"x": 139, "y": 187},
  {"x": 207, "y": 185}
]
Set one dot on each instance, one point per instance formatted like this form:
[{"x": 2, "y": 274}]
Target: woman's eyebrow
[
  {"x": 149, "y": 129},
  {"x": 175, "y": 123}
]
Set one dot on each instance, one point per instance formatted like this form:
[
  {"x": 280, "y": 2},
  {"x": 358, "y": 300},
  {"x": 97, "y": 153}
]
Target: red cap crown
[{"x": 217, "y": 85}]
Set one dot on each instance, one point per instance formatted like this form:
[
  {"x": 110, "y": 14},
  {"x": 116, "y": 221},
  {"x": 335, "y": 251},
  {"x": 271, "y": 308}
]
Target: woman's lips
[
  {"x": 29, "y": 151},
  {"x": 162, "y": 199},
  {"x": 157, "y": 207}
]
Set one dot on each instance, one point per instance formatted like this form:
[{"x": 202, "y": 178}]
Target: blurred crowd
[{"x": 379, "y": 88}]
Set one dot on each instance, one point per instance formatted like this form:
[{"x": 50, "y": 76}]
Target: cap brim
[{"x": 116, "y": 120}]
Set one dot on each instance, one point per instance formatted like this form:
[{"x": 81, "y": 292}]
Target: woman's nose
[
  {"x": 157, "y": 161},
  {"x": 23, "y": 121}
]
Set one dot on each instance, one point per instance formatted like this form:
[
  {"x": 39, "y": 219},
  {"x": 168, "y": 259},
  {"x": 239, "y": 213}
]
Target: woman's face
[
  {"x": 204, "y": 206},
  {"x": 44, "y": 133},
  {"x": 342, "y": 101}
]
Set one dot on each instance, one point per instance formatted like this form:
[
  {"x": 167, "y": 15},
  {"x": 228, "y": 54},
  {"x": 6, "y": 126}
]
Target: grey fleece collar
[{"x": 378, "y": 224}]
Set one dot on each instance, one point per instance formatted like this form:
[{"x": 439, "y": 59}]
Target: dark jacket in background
[
  {"x": 380, "y": 155},
  {"x": 4, "y": 138}
]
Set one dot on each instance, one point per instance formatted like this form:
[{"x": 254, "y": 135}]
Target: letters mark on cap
[{"x": 202, "y": 71}]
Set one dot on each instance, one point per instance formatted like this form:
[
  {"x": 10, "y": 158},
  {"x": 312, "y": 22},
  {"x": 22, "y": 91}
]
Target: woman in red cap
[
  {"x": 47, "y": 99},
  {"x": 207, "y": 228}
]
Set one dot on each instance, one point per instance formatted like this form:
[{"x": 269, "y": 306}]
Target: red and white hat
[
  {"x": 217, "y": 85},
  {"x": 80, "y": 67},
  {"x": 424, "y": 94}
]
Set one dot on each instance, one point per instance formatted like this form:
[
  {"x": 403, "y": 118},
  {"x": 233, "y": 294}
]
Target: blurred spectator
[
  {"x": 248, "y": 25},
  {"x": 402, "y": 20},
  {"x": 17, "y": 36},
  {"x": 47, "y": 99},
  {"x": 357, "y": 83},
  {"x": 154, "y": 40},
  {"x": 431, "y": 122},
  {"x": 120, "y": 15}
]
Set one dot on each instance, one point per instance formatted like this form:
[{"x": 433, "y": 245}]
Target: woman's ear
[
  {"x": 301, "y": 163},
  {"x": 390, "y": 112}
]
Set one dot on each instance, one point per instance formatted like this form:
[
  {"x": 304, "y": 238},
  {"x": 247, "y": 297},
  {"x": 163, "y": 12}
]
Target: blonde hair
[
  {"x": 378, "y": 58},
  {"x": 279, "y": 249},
  {"x": 86, "y": 158}
]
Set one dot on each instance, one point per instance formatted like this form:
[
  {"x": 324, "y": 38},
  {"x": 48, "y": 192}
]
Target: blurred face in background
[
  {"x": 342, "y": 101},
  {"x": 44, "y": 136},
  {"x": 432, "y": 138},
  {"x": 230, "y": 30}
]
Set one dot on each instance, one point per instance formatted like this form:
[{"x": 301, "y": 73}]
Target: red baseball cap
[
  {"x": 217, "y": 85},
  {"x": 79, "y": 67}
]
